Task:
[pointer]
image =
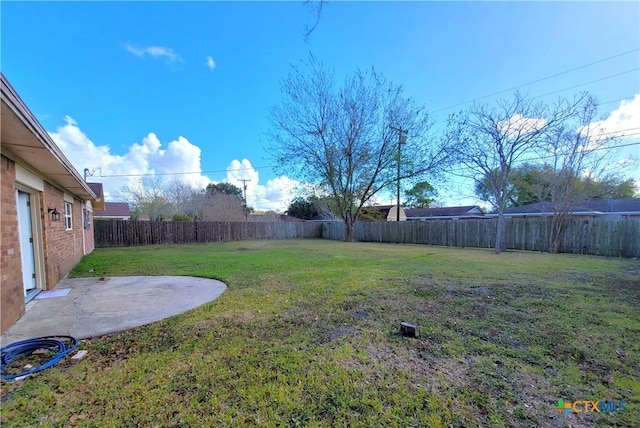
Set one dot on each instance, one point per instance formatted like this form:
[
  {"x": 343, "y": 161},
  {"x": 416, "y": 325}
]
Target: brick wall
[
  {"x": 11, "y": 289},
  {"x": 62, "y": 248}
]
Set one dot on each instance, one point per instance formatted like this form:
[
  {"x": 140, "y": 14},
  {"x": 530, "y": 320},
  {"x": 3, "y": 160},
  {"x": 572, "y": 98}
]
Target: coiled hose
[{"x": 58, "y": 345}]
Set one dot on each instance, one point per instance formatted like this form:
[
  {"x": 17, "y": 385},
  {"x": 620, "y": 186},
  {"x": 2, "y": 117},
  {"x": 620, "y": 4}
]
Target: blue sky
[{"x": 170, "y": 87}]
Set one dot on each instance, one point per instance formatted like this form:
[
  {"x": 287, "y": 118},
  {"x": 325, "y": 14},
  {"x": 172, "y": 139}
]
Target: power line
[
  {"x": 596, "y": 105},
  {"x": 538, "y": 80},
  {"x": 588, "y": 83}
]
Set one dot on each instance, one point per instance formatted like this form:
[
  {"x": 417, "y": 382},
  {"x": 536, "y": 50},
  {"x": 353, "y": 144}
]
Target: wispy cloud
[
  {"x": 154, "y": 51},
  {"x": 211, "y": 63}
]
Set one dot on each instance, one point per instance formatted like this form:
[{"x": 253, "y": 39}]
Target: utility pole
[
  {"x": 244, "y": 189},
  {"x": 402, "y": 135},
  {"x": 90, "y": 173}
]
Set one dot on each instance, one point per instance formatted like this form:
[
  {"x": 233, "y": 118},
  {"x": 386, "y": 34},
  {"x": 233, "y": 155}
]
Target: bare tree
[
  {"x": 162, "y": 201},
  {"x": 315, "y": 8},
  {"x": 576, "y": 151},
  {"x": 220, "y": 206},
  {"x": 186, "y": 199},
  {"x": 492, "y": 140},
  {"x": 341, "y": 135},
  {"x": 147, "y": 196}
]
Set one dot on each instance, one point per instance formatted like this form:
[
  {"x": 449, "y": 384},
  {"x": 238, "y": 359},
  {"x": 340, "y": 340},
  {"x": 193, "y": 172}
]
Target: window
[
  {"x": 67, "y": 215},
  {"x": 87, "y": 219}
]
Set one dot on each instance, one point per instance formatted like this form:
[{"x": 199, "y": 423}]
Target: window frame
[
  {"x": 86, "y": 219},
  {"x": 68, "y": 215}
]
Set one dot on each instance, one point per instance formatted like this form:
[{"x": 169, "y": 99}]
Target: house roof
[
  {"x": 284, "y": 217},
  {"x": 114, "y": 209},
  {"x": 383, "y": 209},
  {"x": 468, "y": 211},
  {"x": 595, "y": 206},
  {"x": 23, "y": 137},
  {"x": 323, "y": 217},
  {"x": 96, "y": 188}
]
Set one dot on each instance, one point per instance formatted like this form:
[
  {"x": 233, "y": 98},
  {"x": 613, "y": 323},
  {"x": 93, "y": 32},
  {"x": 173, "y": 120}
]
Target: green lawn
[{"x": 307, "y": 334}]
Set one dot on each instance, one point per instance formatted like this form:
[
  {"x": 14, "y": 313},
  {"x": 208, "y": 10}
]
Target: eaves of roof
[{"x": 24, "y": 138}]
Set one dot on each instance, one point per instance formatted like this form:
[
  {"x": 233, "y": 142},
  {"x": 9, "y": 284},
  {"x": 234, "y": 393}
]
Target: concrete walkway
[{"x": 90, "y": 307}]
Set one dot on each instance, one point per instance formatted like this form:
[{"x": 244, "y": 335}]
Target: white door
[{"x": 25, "y": 232}]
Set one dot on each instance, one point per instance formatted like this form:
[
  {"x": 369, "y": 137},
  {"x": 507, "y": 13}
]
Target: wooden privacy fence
[
  {"x": 125, "y": 233},
  {"x": 596, "y": 236}
]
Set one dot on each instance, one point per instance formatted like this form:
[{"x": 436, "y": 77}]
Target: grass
[{"x": 307, "y": 335}]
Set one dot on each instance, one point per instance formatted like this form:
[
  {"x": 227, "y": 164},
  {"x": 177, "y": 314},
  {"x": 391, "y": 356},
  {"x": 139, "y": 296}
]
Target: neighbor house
[
  {"x": 113, "y": 211},
  {"x": 385, "y": 212},
  {"x": 445, "y": 213},
  {"x": 629, "y": 207},
  {"x": 46, "y": 206}
]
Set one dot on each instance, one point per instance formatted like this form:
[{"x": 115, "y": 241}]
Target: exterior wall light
[{"x": 54, "y": 213}]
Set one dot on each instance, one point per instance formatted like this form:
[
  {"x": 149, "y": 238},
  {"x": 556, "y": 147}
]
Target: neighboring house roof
[
  {"x": 96, "y": 188},
  {"x": 324, "y": 217},
  {"x": 25, "y": 138},
  {"x": 389, "y": 212},
  {"x": 284, "y": 217},
  {"x": 384, "y": 209},
  {"x": 467, "y": 211},
  {"x": 629, "y": 206},
  {"x": 114, "y": 209}
]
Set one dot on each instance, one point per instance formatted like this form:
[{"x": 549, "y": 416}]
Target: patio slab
[{"x": 90, "y": 307}]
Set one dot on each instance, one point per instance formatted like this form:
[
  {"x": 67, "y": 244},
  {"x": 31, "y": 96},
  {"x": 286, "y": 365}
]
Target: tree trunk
[
  {"x": 559, "y": 225},
  {"x": 499, "y": 246},
  {"x": 349, "y": 226}
]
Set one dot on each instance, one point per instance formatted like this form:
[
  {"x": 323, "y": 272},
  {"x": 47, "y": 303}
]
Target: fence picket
[{"x": 617, "y": 237}]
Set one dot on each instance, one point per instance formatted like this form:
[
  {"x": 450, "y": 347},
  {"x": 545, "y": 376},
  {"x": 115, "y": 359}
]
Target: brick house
[{"x": 46, "y": 222}]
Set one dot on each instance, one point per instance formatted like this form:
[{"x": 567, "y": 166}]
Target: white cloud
[
  {"x": 518, "y": 125},
  {"x": 155, "y": 51},
  {"x": 211, "y": 63},
  {"x": 621, "y": 122},
  {"x": 146, "y": 157},
  {"x": 275, "y": 195},
  {"x": 151, "y": 156}
]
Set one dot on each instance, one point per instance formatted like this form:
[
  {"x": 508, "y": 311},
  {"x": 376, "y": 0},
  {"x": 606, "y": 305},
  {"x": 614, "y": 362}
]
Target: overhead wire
[
  {"x": 539, "y": 80},
  {"x": 439, "y": 110}
]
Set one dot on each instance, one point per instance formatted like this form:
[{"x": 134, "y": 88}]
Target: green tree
[
  {"x": 225, "y": 188},
  {"x": 529, "y": 184},
  {"x": 303, "y": 208},
  {"x": 608, "y": 188},
  {"x": 421, "y": 195}
]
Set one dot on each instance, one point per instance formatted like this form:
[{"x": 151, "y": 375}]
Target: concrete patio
[{"x": 90, "y": 307}]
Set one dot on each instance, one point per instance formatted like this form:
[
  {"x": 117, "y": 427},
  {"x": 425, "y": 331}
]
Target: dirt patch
[
  {"x": 425, "y": 284},
  {"x": 339, "y": 332},
  {"x": 359, "y": 314},
  {"x": 239, "y": 316}
]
